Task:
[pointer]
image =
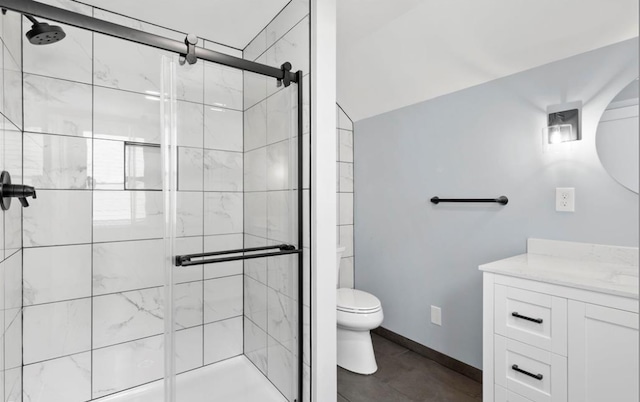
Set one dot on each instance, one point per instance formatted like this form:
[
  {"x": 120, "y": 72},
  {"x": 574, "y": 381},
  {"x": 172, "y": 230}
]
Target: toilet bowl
[{"x": 358, "y": 312}]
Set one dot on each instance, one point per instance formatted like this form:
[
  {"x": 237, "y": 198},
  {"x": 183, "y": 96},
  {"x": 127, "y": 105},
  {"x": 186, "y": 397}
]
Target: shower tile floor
[{"x": 232, "y": 380}]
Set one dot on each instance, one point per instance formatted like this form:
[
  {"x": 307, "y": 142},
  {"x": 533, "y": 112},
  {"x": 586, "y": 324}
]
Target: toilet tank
[{"x": 339, "y": 251}]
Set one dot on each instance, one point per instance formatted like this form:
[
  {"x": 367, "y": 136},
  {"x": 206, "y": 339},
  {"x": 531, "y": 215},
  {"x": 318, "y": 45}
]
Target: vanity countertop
[{"x": 615, "y": 279}]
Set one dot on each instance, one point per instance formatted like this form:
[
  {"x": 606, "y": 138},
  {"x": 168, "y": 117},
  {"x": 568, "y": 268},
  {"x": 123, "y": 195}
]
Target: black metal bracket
[
  {"x": 9, "y": 191},
  {"x": 286, "y": 80},
  {"x": 191, "y": 41},
  {"x": 187, "y": 260},
  {"x": 500, "y": 200}
]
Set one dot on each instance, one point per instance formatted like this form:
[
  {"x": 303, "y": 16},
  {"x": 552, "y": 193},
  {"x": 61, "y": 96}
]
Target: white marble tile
[
  {"x": 306, "y": 159},
  {"x": 13, "y": 385},
  {"x": 127, "y": 265},
  {"x": 189, "y": 211},
  {"x": 280, "y": 216},
  {"x": 137, "y": 24},
  {"x": 255, "y": 127},
  {"x": 54, "y": 274},
  {"x": 57, "y": 162},
  {"x": 256, "y": 47},
  {"x": 190, "y": 124},
  {"x": 108, "y": 165},
  {"x": 189, "y": 82},
  {"x": 122, "y": 317},
  {"x": 56, "y": 329},
  {"x": 127, "y": 215},
  {"x": 345, "y": 146},
  {"x": 281, "y": 119},
  {"x": 217, "y": 47},
  {"x": 126, "y": 65},
  {"x": 70, "y": 59},
  {"x": 306, "y": 383},
  {"x": 13, "y": 338},
  {"x": 306, "y": 276},
  {"x": 346, "y": 239},
  {"x": 12, "y": 162},
  {"x": 306, "y": 105},
  {"x": 223, "y": 213},
  {"x": 282, "y": 274},
  {"x": 126, "y": 365},
  {"x": 255, "y": 214},
  {"x": 190, "y": 169},
  {"x": 187, "y": 302},
  {"x": 286, "y": 19},
  {"x": 346, "y": 272},
  {"x": 57, "y": 106},
  {"x": 67, "y": 379},
  {"x": 255, "y": 302},
  {"x": 222, "y": 340},
  {"x": 222, "y": 129},
  {"x": 143, "y": 167},
  {"x": 71, "y": 224},
  {"x": 346, "y": 208},
  {"x": 189, "y": 345},
  {"x": 306, "y": 335},
  {"x": 187, "y": 245},
  {"x": 13, "y": 100},
  {"x": 280, "y": 368},
  {"x": 221, "y": 243},
  {"x": 255, "y": 345},
  {"x": 255, "y": 170},
  {"x": 255, "y": 86},
  {"x": 293, "y": 48},
  {"x": 222, "y": 171},
  {"x": 13, "y": 281},
  {"x": 344, "y": 122},
  {"x": 222, "y": 298},
  {"x": 345, "y": 173},
  {"x": 12, "y": 34},
  {"x": 281, "y": 322},
  {"x": 279, "y": 163},
  {"x": 126, "y": 116},
  {"x": 222, "y": 86},
  {"x": 256, "y": 268}
]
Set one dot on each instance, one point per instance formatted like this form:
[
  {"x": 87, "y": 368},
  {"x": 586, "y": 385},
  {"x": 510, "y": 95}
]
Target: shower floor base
[{"x": 232, "y": 380}]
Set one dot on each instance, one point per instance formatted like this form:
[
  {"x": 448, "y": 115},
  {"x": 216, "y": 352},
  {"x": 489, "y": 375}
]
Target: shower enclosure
[{"x": 163, "y": 259}]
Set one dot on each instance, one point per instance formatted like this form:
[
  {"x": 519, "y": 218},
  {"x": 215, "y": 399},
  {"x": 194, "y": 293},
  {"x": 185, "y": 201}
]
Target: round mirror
[{"x": 617, "y": 137}]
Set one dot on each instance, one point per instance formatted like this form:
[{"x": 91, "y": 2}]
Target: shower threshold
[{"x": 232, "y": 380}]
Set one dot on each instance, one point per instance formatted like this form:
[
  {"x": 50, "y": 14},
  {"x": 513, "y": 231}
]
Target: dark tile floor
[{"x": 404, "y": 376}]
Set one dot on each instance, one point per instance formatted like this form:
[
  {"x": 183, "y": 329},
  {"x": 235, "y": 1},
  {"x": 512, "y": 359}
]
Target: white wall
[{"x": 484, "y": 141}]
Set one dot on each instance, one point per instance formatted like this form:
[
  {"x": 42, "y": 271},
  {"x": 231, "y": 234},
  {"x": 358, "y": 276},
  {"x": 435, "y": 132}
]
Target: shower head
[{"x": 42, "y": 33}]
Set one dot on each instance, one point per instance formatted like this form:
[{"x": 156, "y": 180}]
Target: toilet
[{"x": 358, "y": 313}]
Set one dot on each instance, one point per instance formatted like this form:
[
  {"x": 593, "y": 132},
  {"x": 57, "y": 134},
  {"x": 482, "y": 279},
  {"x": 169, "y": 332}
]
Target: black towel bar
[{"x": 500, "y": 200}]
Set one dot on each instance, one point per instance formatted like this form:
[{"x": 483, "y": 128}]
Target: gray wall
[{"x": 484, "y": 141}]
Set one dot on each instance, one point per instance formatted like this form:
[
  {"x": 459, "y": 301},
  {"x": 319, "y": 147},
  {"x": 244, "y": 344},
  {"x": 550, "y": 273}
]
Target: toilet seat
[{"x": 357, "y": 302}]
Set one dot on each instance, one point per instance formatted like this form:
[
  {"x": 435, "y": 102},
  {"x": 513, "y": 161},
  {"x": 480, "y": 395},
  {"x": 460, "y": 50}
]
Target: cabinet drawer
[
  {"x": 504, "y": 395},
  {"x": 533, "y": 318},
  {"x": 536, "y": 374}
]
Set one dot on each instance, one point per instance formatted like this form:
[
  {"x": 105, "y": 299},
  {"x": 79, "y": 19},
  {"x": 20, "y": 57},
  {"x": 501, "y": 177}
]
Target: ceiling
[
  {"x": 396, "y": 53},
  {"x": 236, "y": 26}
]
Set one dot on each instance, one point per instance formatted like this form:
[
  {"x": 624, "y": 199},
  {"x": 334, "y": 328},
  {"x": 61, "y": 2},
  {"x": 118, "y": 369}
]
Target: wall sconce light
[{"x": 563, "y": 126}]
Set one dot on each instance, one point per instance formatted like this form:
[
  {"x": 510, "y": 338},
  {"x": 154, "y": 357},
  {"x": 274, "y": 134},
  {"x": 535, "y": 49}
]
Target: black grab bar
[
  {"x": 185, "y": 260},
  {"x": 500, "y": 200}
]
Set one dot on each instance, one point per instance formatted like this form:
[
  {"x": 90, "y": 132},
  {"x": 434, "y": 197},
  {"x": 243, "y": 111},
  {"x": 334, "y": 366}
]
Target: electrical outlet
[
  {"x": 565, "y": 199},
  {"x": 436, "y": 315}
]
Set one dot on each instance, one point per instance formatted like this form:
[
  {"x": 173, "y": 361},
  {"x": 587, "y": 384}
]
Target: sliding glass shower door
[{"x": 230, "y": 165}]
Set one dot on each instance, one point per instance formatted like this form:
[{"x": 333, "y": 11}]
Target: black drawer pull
[
  {"x": 519, "y": 370},
  {"x": 524, "y": 317}
]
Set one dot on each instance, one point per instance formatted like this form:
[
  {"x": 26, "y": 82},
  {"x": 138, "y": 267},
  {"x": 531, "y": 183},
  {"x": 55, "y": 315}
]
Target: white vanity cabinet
[{"x": 558, "y": 329}]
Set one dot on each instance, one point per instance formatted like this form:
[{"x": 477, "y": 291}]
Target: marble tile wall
[
  {"x": 344, "y": 201},
  {"x": 93, "y": 258},
  {"x": 270, "y": 144},
  {"x": 11, "y": 137}
]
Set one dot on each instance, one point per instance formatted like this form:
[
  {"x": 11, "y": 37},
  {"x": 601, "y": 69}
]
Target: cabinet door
[{"x": 603, "y": 354}]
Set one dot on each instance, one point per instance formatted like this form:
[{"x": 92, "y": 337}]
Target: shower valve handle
[{"x": 9, "y": 191}]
